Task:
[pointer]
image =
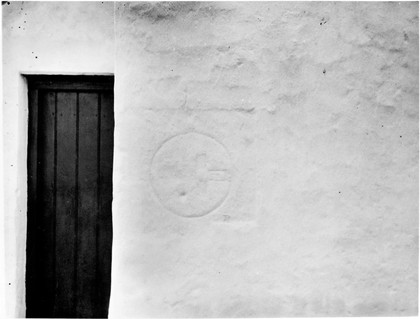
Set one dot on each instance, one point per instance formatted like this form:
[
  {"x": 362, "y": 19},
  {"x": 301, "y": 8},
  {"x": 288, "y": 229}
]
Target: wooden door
[{"x": 70, "y": 157}]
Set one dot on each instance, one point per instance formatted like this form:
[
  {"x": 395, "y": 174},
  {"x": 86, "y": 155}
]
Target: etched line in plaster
[{"x": 191, "y": 174}]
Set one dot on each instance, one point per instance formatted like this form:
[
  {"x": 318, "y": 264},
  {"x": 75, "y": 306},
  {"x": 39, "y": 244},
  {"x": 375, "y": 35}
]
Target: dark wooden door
[{"x": 70, "y": 156}]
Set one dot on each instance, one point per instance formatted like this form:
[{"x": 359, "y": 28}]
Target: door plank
[
  {"x": 46, "y": 199},
  {"x": 105, "y": 201},
  {"x": 31, "y": 275},
  {"x": 88, "y": 204},
  {"x": 66, "y": 204}
]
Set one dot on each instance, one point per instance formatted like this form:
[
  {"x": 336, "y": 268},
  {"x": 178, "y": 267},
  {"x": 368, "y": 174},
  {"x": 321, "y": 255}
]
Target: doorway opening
[{"x": 70, "y": 164}]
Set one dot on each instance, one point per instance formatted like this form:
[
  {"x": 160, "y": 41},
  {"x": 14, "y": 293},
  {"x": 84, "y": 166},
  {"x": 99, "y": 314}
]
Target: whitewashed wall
[{"x": 266, "y": 154}]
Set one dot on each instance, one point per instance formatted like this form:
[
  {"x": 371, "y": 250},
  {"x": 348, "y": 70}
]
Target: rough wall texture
[
  {"x": 317, "y": 106},
  {"x": 266, "y": 157}
]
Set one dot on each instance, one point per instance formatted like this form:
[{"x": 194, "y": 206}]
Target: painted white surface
[{"x": 316, "y": 105}]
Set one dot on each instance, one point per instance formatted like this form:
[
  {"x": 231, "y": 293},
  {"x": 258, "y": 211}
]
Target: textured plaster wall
[
  {"x": 44, "y": 38},
  {"x": 316, "y": 105},
  {"x": 266, "y": 154}
]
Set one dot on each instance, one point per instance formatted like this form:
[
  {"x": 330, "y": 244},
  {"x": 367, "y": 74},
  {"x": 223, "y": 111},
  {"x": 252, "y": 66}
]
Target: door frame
[{"x": 34, "y": 83}]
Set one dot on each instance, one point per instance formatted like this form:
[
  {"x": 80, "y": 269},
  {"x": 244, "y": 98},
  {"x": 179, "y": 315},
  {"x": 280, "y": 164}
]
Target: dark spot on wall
[
  {"x": 387, "y": 109},
  {"x": 158, "y": 11},
  {"x": 324, "y": 71},
  {"x": 396, "y": 50},
  {"x": 180, "y": 10},
  {"x": 405, "y": 36},
  {"x": 339, "y": 192},
  {"x": 10, "y": 283},
  {"x": 400, "y": 136},
  {"x": 5, "y": 2},
  {"x": 323, "y": 21},
  {"x": 36, "y": 57},
  {"x": 223, "y": 48}
]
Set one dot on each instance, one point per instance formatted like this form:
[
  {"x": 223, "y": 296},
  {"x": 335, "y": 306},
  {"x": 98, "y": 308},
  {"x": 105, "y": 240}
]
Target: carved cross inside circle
[{"x": 191, "y": 174}]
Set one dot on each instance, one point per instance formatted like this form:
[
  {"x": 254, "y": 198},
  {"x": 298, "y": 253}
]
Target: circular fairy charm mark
[{"x": 191, "y": 174}]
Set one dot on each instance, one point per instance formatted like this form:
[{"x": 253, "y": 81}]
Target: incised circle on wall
[{"x": 191, "y": 174}]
